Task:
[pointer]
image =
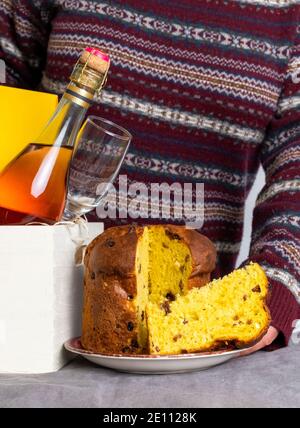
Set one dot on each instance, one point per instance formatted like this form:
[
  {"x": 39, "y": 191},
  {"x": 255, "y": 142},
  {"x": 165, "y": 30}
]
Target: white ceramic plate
[{"x": 153, "y": 364}]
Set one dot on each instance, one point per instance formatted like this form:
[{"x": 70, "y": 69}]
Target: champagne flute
[{"x": 101, "y": 147}]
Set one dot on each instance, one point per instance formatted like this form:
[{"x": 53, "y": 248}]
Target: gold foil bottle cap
[{"x": 91, "y": 69}]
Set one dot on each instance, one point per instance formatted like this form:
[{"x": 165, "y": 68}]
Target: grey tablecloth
[{"x": 260, "y": 380}]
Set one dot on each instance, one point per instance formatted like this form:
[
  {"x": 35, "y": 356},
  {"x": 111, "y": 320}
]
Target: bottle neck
[
  {"x": 77, "y": 94},
  {"x": 63, "y": 127}
]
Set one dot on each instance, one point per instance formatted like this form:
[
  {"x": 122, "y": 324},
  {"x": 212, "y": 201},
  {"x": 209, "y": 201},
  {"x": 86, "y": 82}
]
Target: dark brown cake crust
[
  {"x": 109, "y": 316},
  {"x": 113, "y": 252}
]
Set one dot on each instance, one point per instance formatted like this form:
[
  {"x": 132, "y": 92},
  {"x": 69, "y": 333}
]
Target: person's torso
[{"x": 195, "y": 82}]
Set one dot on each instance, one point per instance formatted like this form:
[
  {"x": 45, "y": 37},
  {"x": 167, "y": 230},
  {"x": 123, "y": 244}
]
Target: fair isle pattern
[
  {"x": 289, "y": 221},
  {"x": 178, "y": 117},
  {"x": 177, "y": 168},
  {"x": 289, "y": 250},
  {"x": 78, "y": 42},
  {"x": 213, "y": 211},
  {"x": 289, "y": 103},
  {"x": 283, "y": 138},
  {"x": 270, "y": 3},
  {"x": 287, "y": 156},
  {"x": 285, "y": 278},
  {"x": 284, "y": 246},
  {"x": 293, "y": 70},
  {"x": 196, "y": 77},
  {"x": 209, "y": 89},
  {"x": 276, "y": 188},
  {"x": 176, "y": 29},
  {"x": 227, "y": 247}
]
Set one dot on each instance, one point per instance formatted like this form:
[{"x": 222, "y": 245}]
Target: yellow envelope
[{"x": 23, "y": 114}]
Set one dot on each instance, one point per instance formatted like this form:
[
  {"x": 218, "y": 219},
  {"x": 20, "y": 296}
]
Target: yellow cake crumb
[
  {"x": 163, "y": 266},
  {"x": 227, "y": 310}
]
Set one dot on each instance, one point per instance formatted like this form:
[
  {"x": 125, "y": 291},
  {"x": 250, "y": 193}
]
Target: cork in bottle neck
[{"x": 90, "y": 71}]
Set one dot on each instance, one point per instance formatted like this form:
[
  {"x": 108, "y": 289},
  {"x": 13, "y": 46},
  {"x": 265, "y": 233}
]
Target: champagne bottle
[{"x": 34, "y": 184}]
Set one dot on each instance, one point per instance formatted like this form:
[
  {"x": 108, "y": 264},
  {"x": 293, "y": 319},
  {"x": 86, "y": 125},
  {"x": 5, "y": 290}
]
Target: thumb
[{"x": 269, "y": 338}]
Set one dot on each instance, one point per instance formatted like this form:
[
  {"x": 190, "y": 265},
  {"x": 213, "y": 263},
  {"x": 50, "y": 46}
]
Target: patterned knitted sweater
[{"x": 210, "y": 89}]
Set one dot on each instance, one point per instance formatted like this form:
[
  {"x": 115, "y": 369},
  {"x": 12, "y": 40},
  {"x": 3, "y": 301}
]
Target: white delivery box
[{"x": 40, "y": 295}]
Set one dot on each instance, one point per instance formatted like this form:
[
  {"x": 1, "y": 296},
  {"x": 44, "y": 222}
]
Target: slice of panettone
[{"x": 227, "y": 312}]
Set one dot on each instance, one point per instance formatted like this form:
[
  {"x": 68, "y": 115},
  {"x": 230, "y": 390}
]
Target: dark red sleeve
[
  {"x": 24, "y": 33},
  {"x": 276, "y": 220}
]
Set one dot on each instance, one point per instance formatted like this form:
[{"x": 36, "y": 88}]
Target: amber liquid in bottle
[
  {"x": 36, "y": 181},
  {"x": 33, "y": 186}
]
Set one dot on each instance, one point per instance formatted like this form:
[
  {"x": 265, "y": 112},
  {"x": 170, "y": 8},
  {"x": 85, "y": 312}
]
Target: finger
[
  {"x": 257, "y": 347},
  {"x": 266, "y": 340}
]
